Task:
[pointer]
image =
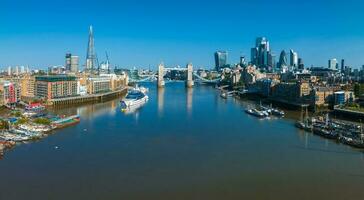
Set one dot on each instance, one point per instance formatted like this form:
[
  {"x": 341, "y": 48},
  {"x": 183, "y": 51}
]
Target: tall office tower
[
  {"x": 271, "y": 60},
  {"x": 262, "y": 43},
  {"x": 9, "y": 71},
  {"x": 242, "y": 61},
  {"x": 220, "y": 59},
  {"x": 282, "y": 60},
  {"x": 91, "y": 56},
  {"x": 342, "y": 65},
  {"x": 301, "y": 66},
  {"x": 254, "y": 56},
  {"x": 71, "y": 63},
  {"x": 74, "y": 64},
  {"x": 333, "y": 64},
  {"x": 68, "y": 61},
  {"x": 293, "y": 58},
  {"x": 17, "y": 70},
  {"x": 261, "y": 53},
  {"x": 22, "y": 69}
]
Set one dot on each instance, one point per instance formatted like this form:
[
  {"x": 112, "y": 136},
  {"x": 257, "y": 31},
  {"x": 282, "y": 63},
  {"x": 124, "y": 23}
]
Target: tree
[
  {"x": 43, "y": 121},
  {"x": 4, "y": 124}
]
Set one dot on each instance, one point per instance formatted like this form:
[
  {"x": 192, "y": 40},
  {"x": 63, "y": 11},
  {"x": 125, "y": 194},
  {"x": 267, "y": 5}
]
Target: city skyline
[{"x": 150, "y": 37}]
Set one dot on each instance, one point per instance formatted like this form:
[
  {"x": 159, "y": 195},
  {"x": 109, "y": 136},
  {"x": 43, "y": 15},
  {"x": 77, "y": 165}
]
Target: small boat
[
  {"x": 354, "y": 142},
  {"x": 303, "y": 126},
  {"x": 64, "y": 122},
  {"x": 256, "y": 113},
  {"x": 324, "y": 132},
  {"x": 223, "y": 95},
  {"x": 276, "y": 112}
]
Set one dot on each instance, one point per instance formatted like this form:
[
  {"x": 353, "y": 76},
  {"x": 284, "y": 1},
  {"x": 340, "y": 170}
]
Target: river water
[{"x": 183, "y": 144}]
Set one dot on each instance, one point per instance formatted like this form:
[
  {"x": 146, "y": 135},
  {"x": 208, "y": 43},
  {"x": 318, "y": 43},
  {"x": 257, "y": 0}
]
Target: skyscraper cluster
[{"x": 261, "y": 55}]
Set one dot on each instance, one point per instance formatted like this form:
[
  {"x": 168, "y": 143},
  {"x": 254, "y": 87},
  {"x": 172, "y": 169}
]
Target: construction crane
[{"x": 107, "y": 62}]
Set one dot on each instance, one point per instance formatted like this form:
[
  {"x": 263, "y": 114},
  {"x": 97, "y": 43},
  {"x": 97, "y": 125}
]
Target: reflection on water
[
  {"x": 204, "y": 147},
  {"x": 160, "y": 97},
  {"x": 189, "y": 100}
]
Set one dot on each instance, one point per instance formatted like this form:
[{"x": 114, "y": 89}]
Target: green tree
[
  {"x": 43, "y": 121},
  {"x": 357, "y": 89}
]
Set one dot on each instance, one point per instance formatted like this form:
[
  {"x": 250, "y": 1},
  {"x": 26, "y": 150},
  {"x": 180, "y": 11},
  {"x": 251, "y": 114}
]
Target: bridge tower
[
  {"x": 189, "y": 82},
  {"x": 160, "y": 75}
]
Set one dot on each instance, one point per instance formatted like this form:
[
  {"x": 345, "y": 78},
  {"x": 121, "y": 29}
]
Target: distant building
[
  {"x": 293, "y": 92},
  {"x": 342, "y": 97},
  {"x": 332, "y": 64},
  {"x": 342, "y": 65},
  {"x": 10, "y": 93},
  {"x": 242, "y": 61},
  {"x": 323, "y": 96},
  {"x": 301, "y": 66},
  {"x": 91, "y": 54},
  {"x": 282, "y": 60},
  {"x": 27, "y": 85},
  {"x": 261, "y": 55},
  {"x": 72, "y": 63},
  {"x": 96, "y": 85},
  {"x": 220, "y": 59},
  {"x": 293, "y": 59},
  {"x": 57, "y": 86},
  {"x": 9, "y": 71}
]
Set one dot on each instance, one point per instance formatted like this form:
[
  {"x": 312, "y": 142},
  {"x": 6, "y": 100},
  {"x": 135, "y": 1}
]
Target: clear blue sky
[{"x": 143, "y": 33}]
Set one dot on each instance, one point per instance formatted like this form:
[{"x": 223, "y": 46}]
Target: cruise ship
[{"x": 135, "y": 98}]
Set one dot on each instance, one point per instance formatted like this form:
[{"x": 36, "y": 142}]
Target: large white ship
[{"x": 135, "y": 98}]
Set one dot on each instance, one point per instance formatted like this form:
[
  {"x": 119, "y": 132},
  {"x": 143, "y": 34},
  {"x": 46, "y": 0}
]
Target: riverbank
[
  {"x": 94, "y": 98},
  {"x": 25, "y": 125}
]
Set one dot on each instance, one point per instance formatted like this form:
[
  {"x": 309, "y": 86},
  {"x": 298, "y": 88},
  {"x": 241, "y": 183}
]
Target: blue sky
[{"x": 144, "y": 33}]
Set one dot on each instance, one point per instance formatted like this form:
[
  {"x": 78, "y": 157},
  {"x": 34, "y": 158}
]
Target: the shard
[{"x": 91, "y": 56}]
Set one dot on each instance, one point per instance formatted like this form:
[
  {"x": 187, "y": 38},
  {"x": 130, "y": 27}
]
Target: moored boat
[
  {"x": 256, "y": 113},
  {"x": 68, "y": 121}
]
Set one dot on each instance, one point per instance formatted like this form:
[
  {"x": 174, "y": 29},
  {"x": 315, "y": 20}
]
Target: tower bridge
[{"x": 162, "y": 70}]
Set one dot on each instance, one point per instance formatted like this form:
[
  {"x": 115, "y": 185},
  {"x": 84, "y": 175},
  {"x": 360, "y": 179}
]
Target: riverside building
[{"x": 53, "y": 87}]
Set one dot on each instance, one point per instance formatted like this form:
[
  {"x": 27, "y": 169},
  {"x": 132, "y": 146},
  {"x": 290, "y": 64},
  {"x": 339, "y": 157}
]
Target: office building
[
  {"x": 96, "y": 85},
  {"x": 261, "y": 55},
  {"x": 333, "y": 64},
  {"x": 220, "y": 60},
  {"x": 91, "y": 55},
  {"x": 72, "y": 63},
  {"x": 342, "y": 65},
  {"x": 282, "y": 60},
  {"x": 293, "y": 59},
  {"x": 27, "y": 85},
  {"x": 10, "y": 93},
  {"x": 54, "y": 87},
  {"x": 301, "y": 65}
]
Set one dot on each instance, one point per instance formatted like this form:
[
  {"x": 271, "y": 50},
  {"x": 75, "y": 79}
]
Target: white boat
[
  {"x": 134, "y": 99},
  {"x": 257, "y": 113}
]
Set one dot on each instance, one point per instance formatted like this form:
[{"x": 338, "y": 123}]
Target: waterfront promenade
[{"x": 87, "y": 98}]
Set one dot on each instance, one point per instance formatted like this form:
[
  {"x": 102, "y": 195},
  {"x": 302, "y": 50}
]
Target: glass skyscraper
[{"x": 220, "y": 59}]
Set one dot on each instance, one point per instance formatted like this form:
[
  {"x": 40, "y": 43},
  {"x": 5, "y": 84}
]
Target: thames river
[{"x": 183, "y": 144}]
